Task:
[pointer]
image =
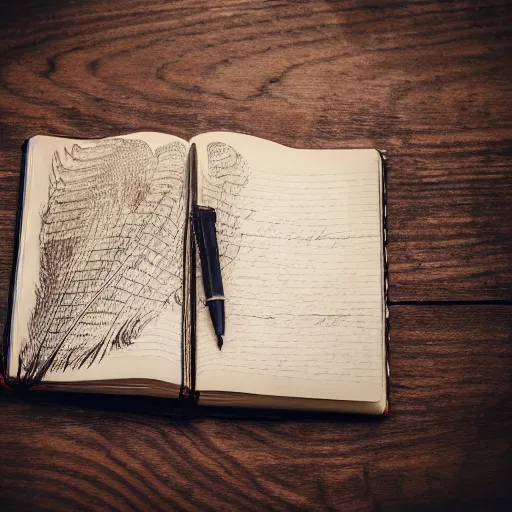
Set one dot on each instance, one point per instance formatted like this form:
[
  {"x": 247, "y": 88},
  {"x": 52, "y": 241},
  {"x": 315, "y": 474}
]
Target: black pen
[{"x": 203, "y": 220}]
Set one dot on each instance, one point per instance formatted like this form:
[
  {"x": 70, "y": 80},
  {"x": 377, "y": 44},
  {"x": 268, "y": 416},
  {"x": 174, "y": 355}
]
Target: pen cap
[{"x": 203, "y": 220}]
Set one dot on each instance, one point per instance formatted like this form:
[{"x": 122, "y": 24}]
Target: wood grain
[
  {"x": 429, "y": 81},
  {"x": 445, "y": 444}
]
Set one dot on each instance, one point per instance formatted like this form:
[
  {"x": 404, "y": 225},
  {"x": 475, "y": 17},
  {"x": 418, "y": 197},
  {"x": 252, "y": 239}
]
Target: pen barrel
[{"x": 204, "y": 219}]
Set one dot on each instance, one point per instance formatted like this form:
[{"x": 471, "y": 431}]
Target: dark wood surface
[
  {"x": 444, "y": 444},
  {"x": 428, "y": 81}
]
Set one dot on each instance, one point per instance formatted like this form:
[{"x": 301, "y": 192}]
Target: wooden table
[{"x": 428, "y": 81}]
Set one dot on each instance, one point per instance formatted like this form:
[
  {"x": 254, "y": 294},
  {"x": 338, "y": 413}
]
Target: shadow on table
[{"x": 173, "y": 409}]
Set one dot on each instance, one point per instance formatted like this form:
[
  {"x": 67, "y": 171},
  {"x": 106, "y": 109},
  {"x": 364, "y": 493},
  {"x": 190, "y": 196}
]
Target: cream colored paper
[
  {"x": 156, "y": 353},
  {"x": 305, "y": 304}
]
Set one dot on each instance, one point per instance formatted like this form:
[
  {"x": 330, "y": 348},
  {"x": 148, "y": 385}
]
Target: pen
[{"x": 203, "y": 221}]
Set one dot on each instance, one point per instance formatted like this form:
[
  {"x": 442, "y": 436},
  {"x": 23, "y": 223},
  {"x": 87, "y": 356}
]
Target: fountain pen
[{"x": 203, "y": 219}]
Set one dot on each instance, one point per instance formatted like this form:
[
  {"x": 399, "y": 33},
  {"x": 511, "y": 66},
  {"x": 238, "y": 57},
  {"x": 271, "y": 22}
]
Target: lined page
[
  {"x": 98, "y": 283},
  {"x": 300, "y": 236}
]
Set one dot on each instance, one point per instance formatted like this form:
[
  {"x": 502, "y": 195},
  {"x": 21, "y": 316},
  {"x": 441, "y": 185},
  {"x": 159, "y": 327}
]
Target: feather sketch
[
  {"x": 110, "y": 251},
  {"x": 228, "y": 174}
]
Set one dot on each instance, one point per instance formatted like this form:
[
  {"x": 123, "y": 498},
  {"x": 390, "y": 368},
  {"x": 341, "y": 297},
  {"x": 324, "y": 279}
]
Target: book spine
[{"x": 188, "y": 347}]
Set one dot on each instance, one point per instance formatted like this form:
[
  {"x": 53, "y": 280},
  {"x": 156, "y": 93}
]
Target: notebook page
[
  {"x": 109, "y": 287},
  {"x": 300, "y": 236}
]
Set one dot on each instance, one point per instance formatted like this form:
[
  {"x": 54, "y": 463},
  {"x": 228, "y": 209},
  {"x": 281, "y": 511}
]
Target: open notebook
[{"x": 106, "y": 298}]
